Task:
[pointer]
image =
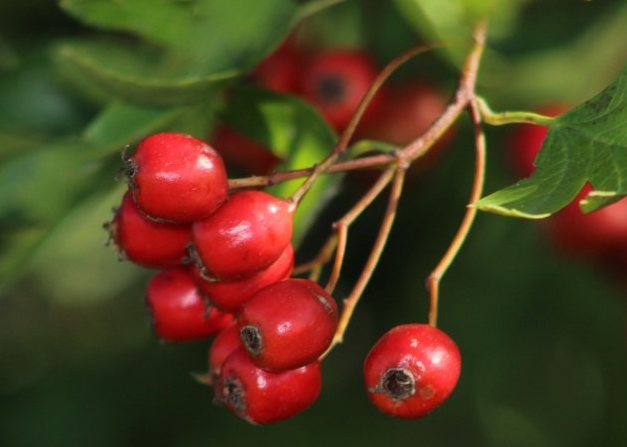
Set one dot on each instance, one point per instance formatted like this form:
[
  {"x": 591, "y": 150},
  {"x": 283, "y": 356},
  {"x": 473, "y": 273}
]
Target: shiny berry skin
[
  {"x": 230, "y": 296},
  {"x": 288, "y": 324},
  {"x": 245, "y": 235},
  {"x": 590, "y": 235},
  {"x": 177, "y": 177},
  {"x": 223, "y": 345},
  {"x": 336, "y": 81},
  {"x": 264, "y": 397},
  {"x": 146, "y": 242},
  {"x": 179, "y": 312},
  {"x": 411, "y": 370}
]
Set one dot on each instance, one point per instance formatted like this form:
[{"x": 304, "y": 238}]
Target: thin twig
[
  {"x": 498, "y": 119},
  {"x": 348, "y": 132},
  {"x": 433, "y": 281},
  {"x": 342, "y": 225},
  {"x": 384, "y": 231}
]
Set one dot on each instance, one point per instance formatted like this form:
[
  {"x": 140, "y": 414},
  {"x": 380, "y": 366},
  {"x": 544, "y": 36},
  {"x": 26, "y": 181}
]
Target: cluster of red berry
[{"x": 226, "y": 263}]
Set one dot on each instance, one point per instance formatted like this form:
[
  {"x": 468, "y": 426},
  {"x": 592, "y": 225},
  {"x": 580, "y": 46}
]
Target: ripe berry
[
  {"x": 245, "y": 235},
  {"x": 243, "y": 153},
  {"x": 288, "y": 324},
  {"x": 179, "y": 313},
  {"x": 406, "y": 111},
  {"x": 231, "y": 295},
  {"x": 146, "y": 242},
  {"x": 263, "y": 397},
  {"x": 279, "y": 71},
  {"x": 336, "y": 81},
  {"x": 223, "y": 345},
  {"x": 177, "y": 177},
  {"x": 594, "y": 235},
  {"x": 411, "y": 370}
]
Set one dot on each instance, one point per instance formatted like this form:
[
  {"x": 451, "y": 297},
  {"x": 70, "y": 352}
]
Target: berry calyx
[
  {"x": 176, "y": 177},
  {"x": 146, "y": 242},
  {"x": 245, "y": 235},
  {"x": 264, "y": 397},
  {"x": 231, "y": 295},
  {"x": 336, "y": 81},
  {"x": 411, "y": 370},
  {"x": 178, "y": 311},
  {"x": 288, "y": 324}
]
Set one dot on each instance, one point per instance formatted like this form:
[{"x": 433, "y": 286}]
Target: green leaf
[
  {"x": 42, "y": 184},
  {"x": 295, "y": 132},
  {"x": 586, "y": 144},
  {"x": 199, "y": 44},
  {"x": 451, "y": 22}
]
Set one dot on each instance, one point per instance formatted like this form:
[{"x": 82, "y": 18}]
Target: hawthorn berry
[
  {"x": 222, "y": 346},
  {"x": 335, "y": 82},
  {"x": 590, "y": 235},
  {"x": 288, "y": 324},
  {"x": 279, "y": 71},
  {"x": 178, "y": 311},
  {"x": 242, "y": 153},
  {"x": 146, "y": 242},
  {"x": 231, "y": 295},
  {"x": 246, "y": 234},
  {"x": 411, "y": 370},
  {"x": 405, "y": 112},
  {"x": 264, "y": 397},
  {"x": 176, "y": 177}
]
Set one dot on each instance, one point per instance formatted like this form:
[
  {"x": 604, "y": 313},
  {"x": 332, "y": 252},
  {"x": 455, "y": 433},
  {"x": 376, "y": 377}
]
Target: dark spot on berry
[
  {"x": 398, "y": 383},
  {"x": 331, "y": 89},
  {"x": 234, "y": 393},
  {"x": 251, "y": 339}
]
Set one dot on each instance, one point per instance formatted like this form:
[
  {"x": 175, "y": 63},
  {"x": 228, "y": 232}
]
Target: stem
[
  {"x": 315, "y": 265},
  {"x": 341, "y": 226},
  {"x": 384, "y": 231},
  {"x": 374, "y": 161},
  {"x": 433, "y": 281},
  {"x": 348, "y": 132},
  {"x": 498, "y": 119}
]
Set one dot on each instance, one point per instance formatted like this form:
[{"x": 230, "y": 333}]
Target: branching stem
[{"x": 373, "y": 259}]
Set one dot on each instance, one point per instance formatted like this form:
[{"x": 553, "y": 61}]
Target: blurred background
[{"x": 543, "y": 333}]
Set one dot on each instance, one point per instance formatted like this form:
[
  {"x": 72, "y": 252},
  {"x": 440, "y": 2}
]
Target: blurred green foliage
[{"x": 543, "y": 337}]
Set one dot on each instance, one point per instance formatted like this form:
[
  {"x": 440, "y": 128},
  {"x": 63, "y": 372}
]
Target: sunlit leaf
[{"x": 586, "y": 144}]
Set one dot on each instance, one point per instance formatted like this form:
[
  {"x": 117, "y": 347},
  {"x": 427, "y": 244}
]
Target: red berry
[
  {"x": 336, "y": 81},
  {"x": 246, "y": 234},
  {"x": 279, "y": 71},
  {"x": 177, "y": 177},
  {"x": 231, "y": 295},
  {"x": 243, "y": 153},
  {"x": 594, "y": 235},
  {"x": 411, "y": 370},
  {"x": 146, "y": 242},
  {"x": 288, "y": 324},
  {"x": 179, "y": 312},
  {"x": 263, "y": 397},
  {"x": 223, "y": 345},
  {"x": 405, "y": 112}
]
